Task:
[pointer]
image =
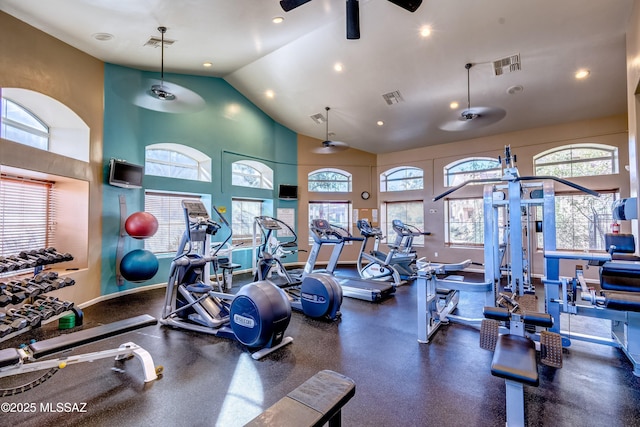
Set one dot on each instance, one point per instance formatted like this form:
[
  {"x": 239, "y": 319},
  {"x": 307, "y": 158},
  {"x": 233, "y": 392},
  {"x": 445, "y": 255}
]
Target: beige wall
[
  {"x": 30, "y": 59},
  {"x": 633, "y": 107}
]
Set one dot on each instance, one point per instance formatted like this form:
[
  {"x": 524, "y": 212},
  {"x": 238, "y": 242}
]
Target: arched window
[
  {"x": 329, "y": 181},
  {"x": 577, "y": 160},
  {"x": 23, "y": 126},
  {"x": 249, "y": 173},
  {"x": 402, "y": 178},
  {"x": 37, "y": 120},
  {"x": 471, "y": 168},
  {"x": 177, "y": 161}
]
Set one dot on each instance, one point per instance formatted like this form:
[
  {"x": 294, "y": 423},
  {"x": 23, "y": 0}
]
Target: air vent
[
  {"x": 393, "y": 97},
  {"x": 506, "y": 65},
  {"x": 157, "y": 41},
  {"x": 318, "y": 118}
]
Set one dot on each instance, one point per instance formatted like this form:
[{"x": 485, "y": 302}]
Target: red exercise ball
[{"x": 141, "y": 225}]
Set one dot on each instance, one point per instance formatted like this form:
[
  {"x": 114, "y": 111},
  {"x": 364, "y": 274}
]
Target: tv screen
[
  {"x": 126, "y": 175},
  {"x": 288, "y": 192}
]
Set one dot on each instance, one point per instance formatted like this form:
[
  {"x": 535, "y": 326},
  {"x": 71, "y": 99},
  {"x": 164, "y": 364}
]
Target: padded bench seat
[
  {"x": 86, "y": 336},
  {"x": 622, "y": 301},
  {"x": 515, "y": 359},
  {"x": 9, "y": 357},
  {"x": 623, "y": 276},
  {"x": 314, "y": 403}
]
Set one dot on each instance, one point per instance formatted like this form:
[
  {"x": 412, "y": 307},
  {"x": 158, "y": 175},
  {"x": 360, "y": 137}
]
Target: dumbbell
[
  {"x": 23, "y": 285},
  {"x": 16, "y": 323},
  {"x": 54, "y": 303},
  {"x": 22, "y": 263},
  {"x": 33, "y": 319},
  {"x": 5, "y": 298},
  {"x": 41, "y": 309},
  {"x": 10, "y": 264},
  {"x": 34, "y": 256},
  {"x": 43, "y": 283},
  {"x": 6, "y": 265},
  {"x": 16, "y": 295}
]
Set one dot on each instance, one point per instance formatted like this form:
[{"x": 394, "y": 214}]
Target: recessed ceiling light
[
  {"x": 269, "y": 94},
  {"x": 103, "y": 37},
  {"x": 425, "y": 31},
  {"x": 338, "y": 67},
  {"x": 512, "y": 90},
  {"x": 207, "y": 64},
  {"x": 380, "y": 123},
  {"x": 454, "y": 105},
  {"x": 581, "y": 74},
  {"x": 277, "y": 20}
]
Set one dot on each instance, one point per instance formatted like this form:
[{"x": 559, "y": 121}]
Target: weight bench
[
  {"x": 514, "y": 357},
  {"x": 314, "y": 403},
  {"x": 22, "y": 360}
]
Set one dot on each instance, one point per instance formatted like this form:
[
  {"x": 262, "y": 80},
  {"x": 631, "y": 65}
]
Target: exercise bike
[
  {"x": 257, "y": 316},
  {"x": 376, "y": 267},
  {"x": 317, "y": 295}
]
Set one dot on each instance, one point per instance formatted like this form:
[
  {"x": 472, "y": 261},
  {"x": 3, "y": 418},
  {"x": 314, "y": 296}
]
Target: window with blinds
[
  {"x": 167, "y": 208},
  {"x": 27, "y": 214}
]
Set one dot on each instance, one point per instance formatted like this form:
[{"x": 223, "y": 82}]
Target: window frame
[
  {"x": 8, "y": 122},
  {"x": 263, "y": 172},
  {"x": 348, "y": 206},
  {"x": 613, "y": 158},
  {"x": 238, "y": 236},
  {"x": 202, "y": 162},
  {"x": 340, "y": 172},
  {"x": 387, "y": 222},
  {"x": 450, "y": 177},
  {"x": 385, "y": 178}
]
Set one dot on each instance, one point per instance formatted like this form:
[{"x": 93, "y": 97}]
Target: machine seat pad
[
  {"x": 623, "y": 301},
  {"x": 537, "y": 319},
  {"x": 496, "y": 313},
  {"x": 623, "y": 243},
  {"x": 8, "y": 357},
  {"x": 621, "y": 276},
  {"x": 86, "y": 336},
  {"x": 313, "y": 403},
  {"x": 515, "y": 359}
]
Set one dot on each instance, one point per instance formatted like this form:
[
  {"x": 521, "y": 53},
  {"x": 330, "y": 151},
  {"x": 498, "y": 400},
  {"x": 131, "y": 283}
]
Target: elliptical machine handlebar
[{"x": 324, "y": 232}]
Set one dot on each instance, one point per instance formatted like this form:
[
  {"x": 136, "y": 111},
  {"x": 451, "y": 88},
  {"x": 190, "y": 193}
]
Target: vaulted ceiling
[{"x": 296, "y": 59}]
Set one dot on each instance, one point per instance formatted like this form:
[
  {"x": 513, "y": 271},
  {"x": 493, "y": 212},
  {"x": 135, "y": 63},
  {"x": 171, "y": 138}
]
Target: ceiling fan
[
  {"x": 353, "y": 12},
  {"x": 475, "y": 117},
  {"x": 158, "y": 95},
  {"x": 328, "y": 146}
]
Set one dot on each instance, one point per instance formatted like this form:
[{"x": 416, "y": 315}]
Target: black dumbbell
[
  {"x": 33, "y": 319},
  {"x": 17, "y": 295},
  {"x": 54, "y": 303},
  {"x": 43, "y": 310},
  {"x": 23, "y": 285},
  {"x": 16, "y": 323}
]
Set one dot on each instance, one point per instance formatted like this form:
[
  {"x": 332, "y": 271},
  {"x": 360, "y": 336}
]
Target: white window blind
[
  {"x": 27, "y": 214},
  {"x": 167, "y": 208}
]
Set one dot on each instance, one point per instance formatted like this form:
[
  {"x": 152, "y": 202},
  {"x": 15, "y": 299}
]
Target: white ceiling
[{"x": 295, "y": 59}]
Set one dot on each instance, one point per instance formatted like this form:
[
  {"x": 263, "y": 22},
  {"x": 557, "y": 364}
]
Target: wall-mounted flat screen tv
[
  {"x": 124, "y": 174},
  {"x": 288, "y": 192}
]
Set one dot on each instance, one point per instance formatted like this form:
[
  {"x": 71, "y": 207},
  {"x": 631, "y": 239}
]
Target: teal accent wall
[{"x": 228, "y": 129}]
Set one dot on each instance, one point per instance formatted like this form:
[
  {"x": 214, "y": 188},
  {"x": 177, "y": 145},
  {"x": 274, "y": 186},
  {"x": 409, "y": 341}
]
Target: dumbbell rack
[{"x": 27, "y": 294}]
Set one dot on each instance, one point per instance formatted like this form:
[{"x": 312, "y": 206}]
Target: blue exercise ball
[{"x": 139, "y": 265}]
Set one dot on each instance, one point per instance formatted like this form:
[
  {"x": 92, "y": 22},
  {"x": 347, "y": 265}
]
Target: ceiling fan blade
[
  {"x": 288, "y": 5},
  {"x": 353, "y": 20},
  {"x": 480, "y": 117},
  {"x": 136, "y": 91},
  {"x": 410, "y": 5},
  {"x": 330, "y": 149}
]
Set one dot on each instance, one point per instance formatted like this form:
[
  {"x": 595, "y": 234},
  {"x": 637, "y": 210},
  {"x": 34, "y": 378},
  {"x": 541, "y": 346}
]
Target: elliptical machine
[
  {"x": 376, "y": 266},
  {"x": 317, "y": 295},
  {"x": 257, "y": 316}
]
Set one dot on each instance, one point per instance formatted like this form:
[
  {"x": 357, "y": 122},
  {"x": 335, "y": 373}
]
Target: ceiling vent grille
[
  {"x": 157, "y": 41},
  {"x": 506, "y": 65},
  {"x": 318, "y": 118},
  {"x": 393, "y": 97}
]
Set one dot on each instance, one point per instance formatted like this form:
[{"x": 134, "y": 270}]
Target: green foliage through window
[
  {"x": 329, "y": 181},
  {"x": 402, "y": 178},
  {"x": 471, "y": 168},
  {"x": 577, "y": 160}
]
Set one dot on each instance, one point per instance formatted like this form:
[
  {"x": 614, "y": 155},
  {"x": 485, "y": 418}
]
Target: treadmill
[{"x": 324, "y": 233}]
